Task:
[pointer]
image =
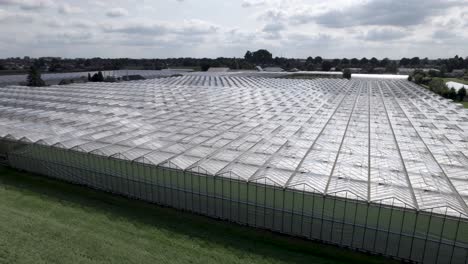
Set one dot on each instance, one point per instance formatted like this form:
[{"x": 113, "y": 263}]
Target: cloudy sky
[{"x": 214, "y": 28}]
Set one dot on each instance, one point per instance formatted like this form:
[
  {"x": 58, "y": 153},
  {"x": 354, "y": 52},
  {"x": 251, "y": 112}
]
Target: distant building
[
  {"x": 380, "y": 70},
  {"x": 49, "y": 59},
  {"x": 456, "y": 73},
  {"x": 411, "y": 70},
  {"x": 355, "y": 70},
  {"x": 218, "y": 69},
  {"x": 273, "y": 69}
]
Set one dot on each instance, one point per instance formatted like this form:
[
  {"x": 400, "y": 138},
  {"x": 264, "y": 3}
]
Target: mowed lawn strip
[{"x": 48, "y": 221}]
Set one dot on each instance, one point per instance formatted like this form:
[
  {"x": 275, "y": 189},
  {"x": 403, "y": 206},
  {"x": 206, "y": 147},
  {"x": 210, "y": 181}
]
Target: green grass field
[
  {"x": 459, "y": 80},
  {"x": 465, "y": 104},
  {"x": 47, "y": 221}
]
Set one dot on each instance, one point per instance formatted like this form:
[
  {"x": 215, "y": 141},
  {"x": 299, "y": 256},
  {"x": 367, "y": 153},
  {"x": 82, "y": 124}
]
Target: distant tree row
[{"x": 251, "y": 59}]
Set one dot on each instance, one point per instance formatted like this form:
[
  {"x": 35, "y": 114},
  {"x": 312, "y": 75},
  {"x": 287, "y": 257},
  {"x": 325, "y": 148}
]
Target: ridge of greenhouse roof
[{"x": 380, "y": 141}]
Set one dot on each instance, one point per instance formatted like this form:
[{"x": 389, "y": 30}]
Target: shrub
[{"x": 347, "y": 74}]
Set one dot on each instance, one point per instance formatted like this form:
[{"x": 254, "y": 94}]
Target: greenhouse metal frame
[{"x": 375, "y": 165}]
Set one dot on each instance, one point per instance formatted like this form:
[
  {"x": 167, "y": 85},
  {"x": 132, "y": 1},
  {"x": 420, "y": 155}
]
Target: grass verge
[
  {"x": 47, "y": 221},
  {"x": 458, "y": 80}
]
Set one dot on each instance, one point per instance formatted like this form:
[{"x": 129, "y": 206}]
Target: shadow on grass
[{"x": 228, "y": 235}]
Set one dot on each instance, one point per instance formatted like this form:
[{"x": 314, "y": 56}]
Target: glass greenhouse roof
[
  {"x": 382, "y": 141},
  {"x": 16, "y": 79}
]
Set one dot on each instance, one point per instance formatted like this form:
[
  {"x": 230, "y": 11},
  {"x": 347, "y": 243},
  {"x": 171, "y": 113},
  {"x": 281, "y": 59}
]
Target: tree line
[{"x": 251, "y": 59}]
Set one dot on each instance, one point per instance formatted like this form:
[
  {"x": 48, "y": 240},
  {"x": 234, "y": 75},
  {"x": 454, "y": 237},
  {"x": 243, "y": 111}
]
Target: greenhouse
[
  {"x": 57, "y": 77},
  {"x": 376, "y": 165}
]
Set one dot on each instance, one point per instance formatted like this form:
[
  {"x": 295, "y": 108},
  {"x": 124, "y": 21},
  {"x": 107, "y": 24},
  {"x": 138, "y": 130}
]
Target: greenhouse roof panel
[{"x": 384, "y": 141}]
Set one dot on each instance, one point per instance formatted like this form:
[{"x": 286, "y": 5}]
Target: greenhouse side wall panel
[{"x": 397, "y": 232}]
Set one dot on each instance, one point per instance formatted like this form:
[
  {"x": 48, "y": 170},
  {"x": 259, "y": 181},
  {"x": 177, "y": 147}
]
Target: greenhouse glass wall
[{"x": 379, "y": 166}]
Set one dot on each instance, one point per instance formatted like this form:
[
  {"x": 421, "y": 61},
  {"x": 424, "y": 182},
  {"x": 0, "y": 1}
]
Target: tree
[
  {"x": 443, "y": 70},
  {"x": 461, "y": 94},
  {"x": 248, "y": 56},
  {"x": 261, "y": 56},
  {"x": 364, "y": 61},
  {"x": 97, "y": 77},
  {"x": 405, "y": 62},
  {"x": 205, "y": 66},
  {"x": 445, "y": 92},
  {"x": 452, "y": 94},
  {"x": 384, "y": 62},
  {"x": 100, "y": 77},
  {"x": 347, "y": 73},
  {"x": 374, "y": 61},
  {"x": 326, "y": 65},
  {"x": 318, "y": 60},
  {"x": 437, "y": 86},
  {"x": 391, "y": 67},
  {"x": 354, "y": 62},
  {"x": 415, "y": 61},
  {"x": 34, "y": 77},
  {"x": 418, "y": 78},
  {"x": 433, "y": 73}
]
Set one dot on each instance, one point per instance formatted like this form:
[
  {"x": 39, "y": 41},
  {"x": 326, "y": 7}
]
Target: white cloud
[
  {"x": 385, "y": 34},
  {"x": 253, "y": 3},
  {"x": 352, "y": 28},
  {"x": 28, "y": 4},
  {"x": 66, "y": 9}
]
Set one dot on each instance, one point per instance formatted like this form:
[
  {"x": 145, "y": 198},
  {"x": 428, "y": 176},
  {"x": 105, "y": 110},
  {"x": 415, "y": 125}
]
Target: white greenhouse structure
[{"x": 379, "y": 166}]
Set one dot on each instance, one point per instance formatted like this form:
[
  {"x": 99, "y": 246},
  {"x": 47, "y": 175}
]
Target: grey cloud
[
  {"x": 443, "y": 34},
  {"x": 63, "y": 38},
  {"x": 273, "y": 30},
  {"x": 384, "y": 12},
  {"x": 13, "y": 17},
  {"x": 274, "y": 27},
  {"x": 190, "y": 27},
  {"x": 117, "y": 12},
  {"x": 196, "y": 27},
  {"x": 236, "y": 36},
  {"x": 306, "y": 39},
  {"x": 380, "y": 34},
  {"x": 139, "y": 29}
]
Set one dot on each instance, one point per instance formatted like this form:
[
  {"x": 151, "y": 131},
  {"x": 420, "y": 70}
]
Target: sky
[{"x": 228, "y": 28}]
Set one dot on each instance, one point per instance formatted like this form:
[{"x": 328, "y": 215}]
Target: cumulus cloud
[
  {"x": 443, "y": 34},
  {"x": 65, "y": 38},
  {"x": 187, "y": 27},
  {"x": 28, "y": 4},
  {"x": 253, "y": 3},
  {"x": 117, "y": 12},
  {"x": 66, "y": 9},
  {"x": 384, "y": 34},
  {"x": 357, "y": 28},
  {"x": 386, "y": 12},
  {"x": 139, "y": 29},
  {"x": 197, "y": 27},
  {"x": 15, "y": 17}
]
